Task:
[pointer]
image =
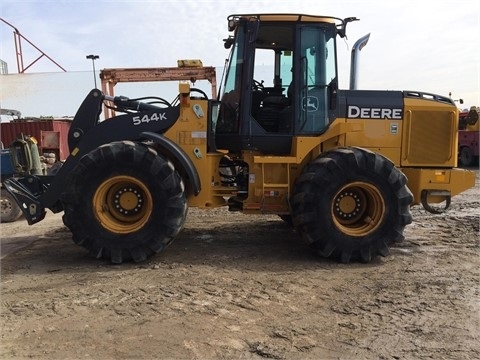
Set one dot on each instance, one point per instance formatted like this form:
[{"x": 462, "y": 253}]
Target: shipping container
[{"x": 51, "y": 134}]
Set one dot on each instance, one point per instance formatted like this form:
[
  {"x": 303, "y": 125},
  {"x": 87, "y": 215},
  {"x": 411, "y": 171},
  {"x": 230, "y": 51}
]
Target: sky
[{"x": 414, "y": 45}]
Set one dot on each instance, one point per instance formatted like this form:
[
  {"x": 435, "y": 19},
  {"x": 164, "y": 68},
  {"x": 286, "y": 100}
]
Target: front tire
[
  {"x": 351, "y": 204},
  {"x": 124, "y": 202}
]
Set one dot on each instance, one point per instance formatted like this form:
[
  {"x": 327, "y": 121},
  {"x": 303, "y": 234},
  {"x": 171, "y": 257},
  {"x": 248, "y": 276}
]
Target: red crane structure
[{"x": 19, "y": 54}]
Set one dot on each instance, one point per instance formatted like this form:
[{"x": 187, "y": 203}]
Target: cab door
[{"x": 316, "y": 79}]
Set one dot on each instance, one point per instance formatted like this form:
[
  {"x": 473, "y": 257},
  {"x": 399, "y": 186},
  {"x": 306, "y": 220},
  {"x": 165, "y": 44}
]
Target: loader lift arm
[{"x": 34, "y": 194}]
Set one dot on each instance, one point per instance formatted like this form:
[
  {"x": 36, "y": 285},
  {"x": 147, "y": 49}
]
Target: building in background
[{"x": 3, "y": 67}]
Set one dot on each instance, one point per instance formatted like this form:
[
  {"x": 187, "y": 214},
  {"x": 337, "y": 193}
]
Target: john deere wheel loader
[{"x": 343, "y": 166}]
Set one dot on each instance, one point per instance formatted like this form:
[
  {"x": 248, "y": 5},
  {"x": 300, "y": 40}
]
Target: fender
[
  {"x": 180, "y": 155},
  {"x": 50, "y": 188}
]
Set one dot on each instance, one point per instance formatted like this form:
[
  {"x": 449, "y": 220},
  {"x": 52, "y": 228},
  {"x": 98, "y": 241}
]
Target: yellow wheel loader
[{"x": 343, "y": 166}]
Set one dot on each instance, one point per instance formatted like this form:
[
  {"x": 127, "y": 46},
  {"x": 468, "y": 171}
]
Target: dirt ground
[{"x": 234, "y": 286}]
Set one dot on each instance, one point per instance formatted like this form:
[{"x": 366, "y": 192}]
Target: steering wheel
[
  {"x": 317, "y": 86},
  {"x": 258, "y": 86}
]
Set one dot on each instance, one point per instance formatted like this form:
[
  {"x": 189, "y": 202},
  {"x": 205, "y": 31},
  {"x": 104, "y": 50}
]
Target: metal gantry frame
[
  {"x": 19, "y": 53},
  {"x": 110, "y": 77}
]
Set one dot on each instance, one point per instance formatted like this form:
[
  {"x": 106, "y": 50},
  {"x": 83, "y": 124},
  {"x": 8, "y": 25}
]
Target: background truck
[
  {"x": 35, "y": 146},
  {"x": 19, "y": 160},
  {"x": 468, "y": 137},
  {"x": 342, "y": 166},
  {"x": 9, "y": 210}
]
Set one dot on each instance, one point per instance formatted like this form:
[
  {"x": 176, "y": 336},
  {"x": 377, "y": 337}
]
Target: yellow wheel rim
[
  {"x": 358, "y": 209},
  {"x": 122, "y": 204}
]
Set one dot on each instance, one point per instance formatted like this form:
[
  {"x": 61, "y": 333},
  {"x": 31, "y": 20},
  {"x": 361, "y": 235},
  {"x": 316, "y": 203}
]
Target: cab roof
[
  {"x": 288, "y": 18},
  {"x": 338, "y": 22}
]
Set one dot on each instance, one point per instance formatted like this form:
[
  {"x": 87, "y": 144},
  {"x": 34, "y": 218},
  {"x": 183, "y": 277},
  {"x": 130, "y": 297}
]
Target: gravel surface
[{"x": 236, "y": 286}]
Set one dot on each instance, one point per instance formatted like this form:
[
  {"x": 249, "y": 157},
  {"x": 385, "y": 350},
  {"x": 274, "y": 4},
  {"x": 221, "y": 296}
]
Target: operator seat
[{"x": 272, "y": 108}]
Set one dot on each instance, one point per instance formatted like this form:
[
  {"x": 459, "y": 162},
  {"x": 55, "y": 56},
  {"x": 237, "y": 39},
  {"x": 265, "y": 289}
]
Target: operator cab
[{"x": 281, "y": 81}]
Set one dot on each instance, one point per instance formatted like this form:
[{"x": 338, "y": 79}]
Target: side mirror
[{"x": 228, "y": 42}]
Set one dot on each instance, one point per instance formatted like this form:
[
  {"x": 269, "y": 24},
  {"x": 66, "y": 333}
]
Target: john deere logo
[
  {"x": 373, "y": 113},
  {"x": 310, "y": 103}
]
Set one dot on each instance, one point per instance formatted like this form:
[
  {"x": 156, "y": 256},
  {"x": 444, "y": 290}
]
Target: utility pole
[{"x": 93, "y": 58}]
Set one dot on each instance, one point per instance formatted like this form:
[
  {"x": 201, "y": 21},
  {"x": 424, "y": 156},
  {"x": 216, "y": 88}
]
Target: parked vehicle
[
  {"x": 468, "y": 137},
  {"x": 19, "y": 160}
]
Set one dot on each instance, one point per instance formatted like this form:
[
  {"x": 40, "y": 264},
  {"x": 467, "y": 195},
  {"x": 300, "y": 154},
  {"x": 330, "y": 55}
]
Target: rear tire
[
  {"x": 124, "y": 202},
  {"x": 351, "y": 204},
  {"x": 9, "y": 210},
  {"x": 466, "y": 156}
]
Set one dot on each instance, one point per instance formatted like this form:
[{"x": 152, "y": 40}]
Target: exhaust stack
[{"x": 354, "y": 60}]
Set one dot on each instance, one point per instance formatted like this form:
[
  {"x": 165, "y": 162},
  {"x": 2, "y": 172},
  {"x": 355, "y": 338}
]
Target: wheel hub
[
  {"x": 6, "y": 206},
  {"x": 348, "y": 205},
  {"x": 128, "y": 200},
  {"x": 358, "y": 208},
  {"x": 122, "y": 204}
]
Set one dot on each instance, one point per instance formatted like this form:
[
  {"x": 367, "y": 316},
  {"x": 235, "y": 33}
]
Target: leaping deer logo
[{"x": 310, "y": 103}]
